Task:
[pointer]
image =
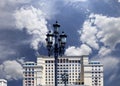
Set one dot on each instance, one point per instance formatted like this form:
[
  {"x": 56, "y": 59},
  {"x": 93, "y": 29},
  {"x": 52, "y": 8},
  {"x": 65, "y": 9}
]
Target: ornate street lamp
[
  {"x": 64, "y": 77},
  {"x": 56, "y": 45}
]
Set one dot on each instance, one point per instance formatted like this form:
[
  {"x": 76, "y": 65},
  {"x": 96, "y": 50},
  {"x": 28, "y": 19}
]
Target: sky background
[{"x": 92, "y": 26}]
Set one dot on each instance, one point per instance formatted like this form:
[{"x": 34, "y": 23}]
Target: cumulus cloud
[
  {"x": 6, "y": 10},
  {"x": 99, "y": 35},
  {"x": 95, "y": 31},
  {"x": 88, "y": 35},
  {"x": 31, "y": 16},
  {"x": 34, "y": 21},
  {"x": 77, "y": 51},
  {"x": 108, "y": 30},
  {"x": 11, "y": 69},
  {"x": 104, "y": 51}
]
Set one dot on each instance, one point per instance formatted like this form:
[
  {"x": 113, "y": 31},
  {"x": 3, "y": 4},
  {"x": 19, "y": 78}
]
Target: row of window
[
  {"x": 61, "y": 65},
  {"x": 62, "y": 71},
  {"x": 96, "y": 75},
  {"x": 30, "y": 64},
  {"x": 59, "y": 76},
  {"x": 26, "y": 75},
  {"x": 63, "y": 61},
  {"x": 96, "y": 81},
  {"x": 28, "y": 78},
  {"x": 29, "y": 72},
  {"x": 72, "y": 74},
  {"x": 75, "y": 83},
  {"x": 96, "y": 84},
  {"x": 96, "y": 72},
  {"x": 29, "y": 69},
  {"x": 29, "y": 84},
  {"x": 26, "y": 81}
]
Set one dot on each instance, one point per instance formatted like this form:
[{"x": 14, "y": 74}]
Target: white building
[
  {"x": 80, "y": 71},
  {"x": 71, "y": 64},
  {"x": 31, "y": 74},
  {"x": 93, "y": 74},
  {"x": 3, "y": 82}
]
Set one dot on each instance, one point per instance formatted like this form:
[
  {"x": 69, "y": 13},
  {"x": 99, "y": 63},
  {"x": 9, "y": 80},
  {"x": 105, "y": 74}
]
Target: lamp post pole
[
  {"x": 56, "y": 52},
  {"x": 56, "y": 43}
]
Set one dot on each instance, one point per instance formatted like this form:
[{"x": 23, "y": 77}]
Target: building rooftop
[
  {"x": 3, "y": 80},
  {"x": 62, "y": 56},
  {"x": 94, "y": 62}
]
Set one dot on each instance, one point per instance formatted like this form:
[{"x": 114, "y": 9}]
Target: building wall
[
  {"x": 70, "y": 63},
  {"x": 93, "y": 74},
  {"x": 31, "y": 74},
  {"x": 81, "y": 71}
]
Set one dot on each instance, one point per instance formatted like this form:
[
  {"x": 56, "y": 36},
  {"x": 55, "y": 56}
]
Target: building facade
[
  {"x": 70, "y": 64},
  {"x": 31, "y": 74},
  {"x": 3, "y": 82},
  {"x": 80, "y": 71},
  {"x": 93, "y": 74}
]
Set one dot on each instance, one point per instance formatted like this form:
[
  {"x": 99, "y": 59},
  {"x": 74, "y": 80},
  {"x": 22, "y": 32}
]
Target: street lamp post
[
  {"x": 64, "y": 77},
  {"x": 56, "y": 44}
]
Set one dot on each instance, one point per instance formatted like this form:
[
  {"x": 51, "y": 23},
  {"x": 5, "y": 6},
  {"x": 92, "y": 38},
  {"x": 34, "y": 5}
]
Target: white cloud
[
  {"x": 118, "y": 0},
  {"x": 104, "y": 51},
  {"x": 11, "y": 70},
  {"x": 109, "y": 30},
  {"x": 35, "y": 23},
  {"x": 21, "y": 14},
  {"x": 77, "y": 51},
  {"x": 95, "y": 31},
  {"x": 88, "y": 35},
  {"x": 6, "y": 10},
  {"x": 98, "y": 34}
]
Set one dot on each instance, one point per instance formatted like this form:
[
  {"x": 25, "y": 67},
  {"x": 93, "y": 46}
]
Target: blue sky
[{"x": 92, "y": 27}]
